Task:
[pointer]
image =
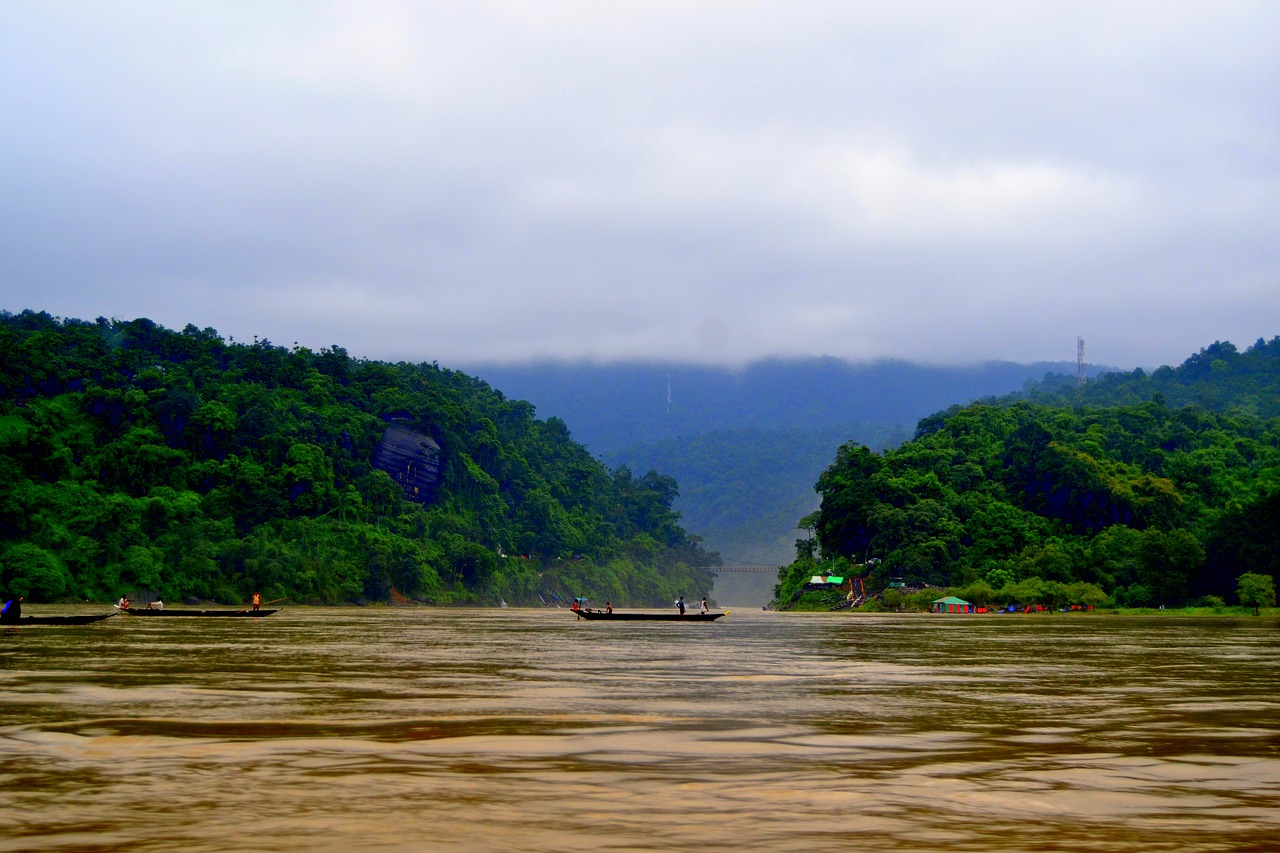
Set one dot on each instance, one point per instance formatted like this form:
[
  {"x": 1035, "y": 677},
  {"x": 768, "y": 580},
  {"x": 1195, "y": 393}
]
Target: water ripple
[{"x": 439, "y": 730}]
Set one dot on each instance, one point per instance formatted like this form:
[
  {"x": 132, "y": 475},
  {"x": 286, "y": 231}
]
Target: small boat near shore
[
  {"x": 56, "y": 620},
  {"x": 174, "y": 611},
  {"x": 621, "y": 616}
]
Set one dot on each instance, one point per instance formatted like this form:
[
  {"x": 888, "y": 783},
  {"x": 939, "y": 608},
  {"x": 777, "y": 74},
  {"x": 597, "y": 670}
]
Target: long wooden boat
[
  {"x": 620, "y": 616},
  {"x": 174, "y": 611},
  {"x": 57, "y": 620}
]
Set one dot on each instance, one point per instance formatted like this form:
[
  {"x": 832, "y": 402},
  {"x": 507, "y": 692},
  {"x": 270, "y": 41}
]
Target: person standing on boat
[
  {"x": 680, "y": 604},
  {"x": 608, "y": 607},
  {"x": 702, "y": 608},
  {"x": 257, "y": 601},
  {"x": 12, "y": 610}
]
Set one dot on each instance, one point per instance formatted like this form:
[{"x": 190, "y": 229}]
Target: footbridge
[{"x": 740, "y": 567}]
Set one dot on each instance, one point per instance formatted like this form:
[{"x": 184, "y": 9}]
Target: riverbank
[{"x": 1145, "y": 612}]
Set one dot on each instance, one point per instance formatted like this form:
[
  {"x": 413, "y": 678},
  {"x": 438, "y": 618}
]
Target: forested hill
[
  {"x": 1074, "y": 494},
  {"x": 138, "y": 459}
]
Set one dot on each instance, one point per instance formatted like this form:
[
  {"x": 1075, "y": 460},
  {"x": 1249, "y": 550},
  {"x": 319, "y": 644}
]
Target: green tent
[{"x": 951, "y": 604}]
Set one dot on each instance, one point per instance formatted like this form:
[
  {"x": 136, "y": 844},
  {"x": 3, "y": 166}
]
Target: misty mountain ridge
[
  {"x": 609, "y": 407},
  {"x": 747, "y": 445}
]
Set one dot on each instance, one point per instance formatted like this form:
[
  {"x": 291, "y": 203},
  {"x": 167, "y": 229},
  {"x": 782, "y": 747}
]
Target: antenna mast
[{"x": 1079, "y": 361}]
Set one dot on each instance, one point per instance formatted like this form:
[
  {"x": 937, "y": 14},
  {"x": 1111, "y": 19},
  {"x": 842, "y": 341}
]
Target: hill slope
[
  {"x": 1146, "y": 502},
  {"x": 1219, "y": 378},
  {"x": 135, "y": 458}
]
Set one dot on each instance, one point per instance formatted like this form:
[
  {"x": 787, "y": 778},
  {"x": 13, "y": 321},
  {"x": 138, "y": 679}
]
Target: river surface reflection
[{"x": 413, "y": 729}]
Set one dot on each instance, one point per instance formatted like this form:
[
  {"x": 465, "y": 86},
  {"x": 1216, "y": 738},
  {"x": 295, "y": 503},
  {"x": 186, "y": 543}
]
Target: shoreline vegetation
[
  {"x": 1226, "y": 612},
  {"x": 1229, "y": 611},
  {"x": 179, "y": 465}
]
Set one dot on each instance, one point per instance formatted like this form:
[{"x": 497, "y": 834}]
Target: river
[{"x": 424, "y": 729}]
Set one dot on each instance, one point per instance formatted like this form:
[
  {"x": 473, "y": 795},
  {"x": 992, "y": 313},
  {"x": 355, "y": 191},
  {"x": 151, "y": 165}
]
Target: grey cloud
[{"x": 702, "y": 180}]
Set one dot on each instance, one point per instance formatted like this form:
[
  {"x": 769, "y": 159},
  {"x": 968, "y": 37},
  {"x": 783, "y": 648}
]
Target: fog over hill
[
  {"x": 746, "y": 446},
  {"x": 610, "y": 407}
]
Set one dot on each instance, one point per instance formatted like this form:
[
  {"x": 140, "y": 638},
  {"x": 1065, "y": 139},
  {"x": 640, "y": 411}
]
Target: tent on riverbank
[
  {"x": 824, "y": 582},
  {"x": 951, "y": 604}
]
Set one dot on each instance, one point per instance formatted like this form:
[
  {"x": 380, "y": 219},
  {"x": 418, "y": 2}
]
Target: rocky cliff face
[{"x": 411, "y": 458}]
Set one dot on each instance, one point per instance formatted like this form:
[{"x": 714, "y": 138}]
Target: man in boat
[
  {"x": 608, "y": 607},
  {"x": 702, "y": 608},
  {"x": 155, "y": 605},
  {"x": 12, "y": 610},
  {"x": 123, "y": 603},
  {"x": 680, "y": 605},
  {"x": 257, "y": 601}
]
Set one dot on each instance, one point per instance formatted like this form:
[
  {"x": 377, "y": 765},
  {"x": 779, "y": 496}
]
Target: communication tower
[{"x": 1079, "y": 361}]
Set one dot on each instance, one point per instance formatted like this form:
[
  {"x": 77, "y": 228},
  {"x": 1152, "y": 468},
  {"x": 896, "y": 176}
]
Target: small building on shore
[{"x": 951, "y": 604}]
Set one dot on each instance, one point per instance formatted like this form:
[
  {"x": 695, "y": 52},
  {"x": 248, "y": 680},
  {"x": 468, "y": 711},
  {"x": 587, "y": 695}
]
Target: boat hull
[
  {"x": 57, "y": 620},
  {"x": 172, "y": 611},
  {"x": 619, "y": 616}
]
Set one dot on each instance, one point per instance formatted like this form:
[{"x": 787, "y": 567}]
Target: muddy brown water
[{"x": 423, "y": 729}]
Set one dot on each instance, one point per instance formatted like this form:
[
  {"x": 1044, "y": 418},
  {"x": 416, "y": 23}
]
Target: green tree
[
  {"x": 34, "y": 573},
  {"x": 979, "y": 592},
  {"x": 1031, "y": 591},
  {"x": 848, "y": 492},
  {"x": 1166, "y": 563},
  {"x": 1256, "y": 591},
  {"x": 1086, "y": 594}
]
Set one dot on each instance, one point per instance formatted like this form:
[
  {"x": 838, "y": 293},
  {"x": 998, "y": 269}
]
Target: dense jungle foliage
[
  {"x": 1135, "y": 490},
  {"x": 180, "y": 465}
]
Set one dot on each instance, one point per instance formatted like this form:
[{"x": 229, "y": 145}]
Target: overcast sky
[{"x": 708, "y": 181}]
